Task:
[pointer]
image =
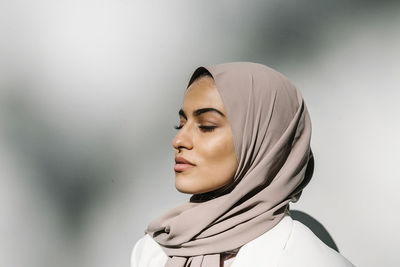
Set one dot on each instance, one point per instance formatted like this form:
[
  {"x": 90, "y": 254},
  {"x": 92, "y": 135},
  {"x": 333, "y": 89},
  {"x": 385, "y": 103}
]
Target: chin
[
  {"x": 185, "y": 188},
  {"x": 184, "y": 185}
]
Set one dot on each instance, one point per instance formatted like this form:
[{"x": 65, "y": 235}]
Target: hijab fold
[{"x": 271, "y": 129}]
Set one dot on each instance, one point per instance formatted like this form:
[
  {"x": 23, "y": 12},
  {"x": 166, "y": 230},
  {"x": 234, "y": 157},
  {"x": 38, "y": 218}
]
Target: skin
[{"x": 212, "y": 152}]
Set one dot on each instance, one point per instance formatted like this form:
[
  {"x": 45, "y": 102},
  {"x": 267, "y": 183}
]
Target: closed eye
[
  {"x": 207, "y": 128},
  {"x": 203, "y": 128}
]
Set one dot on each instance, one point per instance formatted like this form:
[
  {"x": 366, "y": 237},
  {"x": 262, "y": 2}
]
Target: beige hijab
[{"x": 271, "y": 128}]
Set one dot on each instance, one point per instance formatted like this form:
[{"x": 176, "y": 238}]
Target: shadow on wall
[{"x": 316, "y": 227}]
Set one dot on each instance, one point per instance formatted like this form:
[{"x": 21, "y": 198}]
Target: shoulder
[
  {"x": 146, "y": 251},
  {"x": 304, "y": 248}
]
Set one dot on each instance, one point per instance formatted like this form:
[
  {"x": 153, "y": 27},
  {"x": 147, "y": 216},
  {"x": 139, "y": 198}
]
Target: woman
[{"x": 243, "y": 152}]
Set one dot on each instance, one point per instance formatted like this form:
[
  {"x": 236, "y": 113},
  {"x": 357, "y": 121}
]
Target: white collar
[{"x": 269, "y": 245}]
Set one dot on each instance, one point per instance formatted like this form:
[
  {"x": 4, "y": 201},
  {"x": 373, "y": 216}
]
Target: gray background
[{"x": 89, "y": 94}]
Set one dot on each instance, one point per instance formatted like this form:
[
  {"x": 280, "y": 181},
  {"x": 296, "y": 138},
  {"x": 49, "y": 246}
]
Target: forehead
[{"x": 202, "y": 93}]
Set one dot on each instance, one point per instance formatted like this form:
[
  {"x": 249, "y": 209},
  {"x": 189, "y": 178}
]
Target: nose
[{"x": 184, "y": 138}]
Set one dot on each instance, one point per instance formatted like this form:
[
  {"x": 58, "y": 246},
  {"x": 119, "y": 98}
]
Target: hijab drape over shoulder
[{"x": 271, "y": 128}]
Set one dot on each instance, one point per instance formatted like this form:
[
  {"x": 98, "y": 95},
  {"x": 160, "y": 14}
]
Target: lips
[
  {"x": 182, "y": 160},
  {"x": 182, "y": 164}
]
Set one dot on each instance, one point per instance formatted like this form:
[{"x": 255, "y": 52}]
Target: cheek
[
  {"x": 217, "y": 156},
  {"x": 216, "y": 148}
]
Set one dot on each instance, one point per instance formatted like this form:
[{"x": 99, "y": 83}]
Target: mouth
[
  {"x": 182, "y": 164},
  {"x": 180, "y": 167}
]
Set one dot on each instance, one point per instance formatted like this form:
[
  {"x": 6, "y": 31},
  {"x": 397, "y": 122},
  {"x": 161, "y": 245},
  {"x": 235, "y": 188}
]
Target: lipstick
[{"x": 182, "y": 164}]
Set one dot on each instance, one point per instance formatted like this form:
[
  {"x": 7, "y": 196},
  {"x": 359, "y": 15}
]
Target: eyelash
[{"x": 203, "y": 128}]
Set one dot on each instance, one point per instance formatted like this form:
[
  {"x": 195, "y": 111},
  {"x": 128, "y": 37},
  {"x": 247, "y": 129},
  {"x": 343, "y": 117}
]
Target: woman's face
[{"x": 204, "y": 139}]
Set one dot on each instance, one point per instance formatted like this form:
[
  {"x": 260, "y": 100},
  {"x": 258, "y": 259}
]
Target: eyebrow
[{"x": 200, "y": 111}]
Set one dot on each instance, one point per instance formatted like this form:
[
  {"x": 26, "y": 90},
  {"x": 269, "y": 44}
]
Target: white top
[
  {"x": 228, "y": 262},
  {"x": 289, "y": 243}
]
